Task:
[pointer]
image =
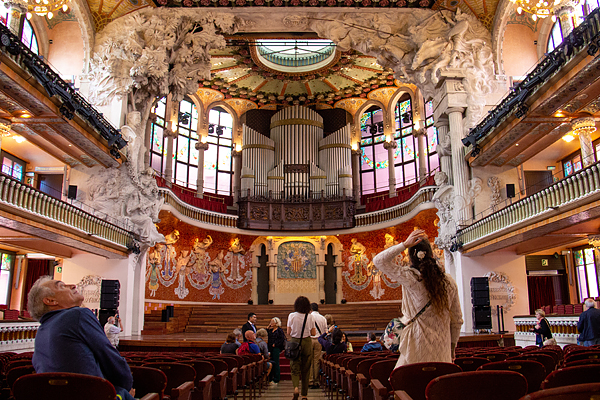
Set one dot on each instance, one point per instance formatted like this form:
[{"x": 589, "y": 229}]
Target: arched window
[
  {"x": 26, "y": 32},
  {"x": 158, "y": 148},
  {"x": 374, "y": 175},
  {"x": 218, "y": 171},
  {"x": 581, "y": 11},
  {"x": 184, "y": 148},
  {"x": 406, "y": 154},
  {"x": 433, "y": 161}
]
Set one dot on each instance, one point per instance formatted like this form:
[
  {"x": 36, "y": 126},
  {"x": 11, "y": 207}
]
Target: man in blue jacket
[
  {"x": 589, "y": 324},
  {"x": 71, "y": 339},
  {"x": 373, "y": 344}
]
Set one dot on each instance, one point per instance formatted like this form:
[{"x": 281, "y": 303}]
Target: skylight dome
[{"x": 291, "y": 55}]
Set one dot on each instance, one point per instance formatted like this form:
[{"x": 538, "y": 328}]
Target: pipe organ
[{"x": 296, "y": 162}]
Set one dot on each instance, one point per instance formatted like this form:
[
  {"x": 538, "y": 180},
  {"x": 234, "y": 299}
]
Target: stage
[{"x": 211, "y": 342}]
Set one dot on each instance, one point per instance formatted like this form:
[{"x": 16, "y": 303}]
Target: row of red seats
[{"x": 563, "y": 309}]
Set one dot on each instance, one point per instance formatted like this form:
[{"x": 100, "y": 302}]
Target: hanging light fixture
[
  {"x": 541, "y": 8},
  {"x": 46, "y": 7},
  {"x": 579, "y": 126}
]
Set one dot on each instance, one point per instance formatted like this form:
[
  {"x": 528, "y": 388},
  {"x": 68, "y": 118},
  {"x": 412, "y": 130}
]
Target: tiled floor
[{"x": 285, "y": 391}]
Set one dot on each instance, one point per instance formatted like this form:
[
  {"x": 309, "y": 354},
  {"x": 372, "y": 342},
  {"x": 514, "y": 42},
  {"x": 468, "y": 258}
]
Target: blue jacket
[
  {"x": 589, "y": 325},
  {"x": 375, "y": 346},
  {"x": 72, "y": 340}
]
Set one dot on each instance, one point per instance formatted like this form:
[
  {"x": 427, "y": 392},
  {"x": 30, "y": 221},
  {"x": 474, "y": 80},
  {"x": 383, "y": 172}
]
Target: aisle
[{"x": 285, "y": 391}]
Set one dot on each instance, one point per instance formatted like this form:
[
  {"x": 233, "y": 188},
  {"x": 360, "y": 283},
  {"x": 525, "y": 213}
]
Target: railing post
[{"x": 11, "y": 192}]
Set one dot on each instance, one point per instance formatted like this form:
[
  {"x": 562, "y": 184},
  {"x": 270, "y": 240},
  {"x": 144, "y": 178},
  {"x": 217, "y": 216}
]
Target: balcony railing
[
  {"x": 196, "y": 213},
  {"x": 575, "y": 187},
  {"x": 25, "y": 198},
  {"x": 563, "y": 328},
  {"x": 424, "y": 195},
  {"x": 18, "y": 335}
]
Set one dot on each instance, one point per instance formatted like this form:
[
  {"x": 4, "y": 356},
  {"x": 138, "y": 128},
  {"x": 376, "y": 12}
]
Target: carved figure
[
  {"x": 389, "y": 241},
  {"x": 216, "y": 268},
  {"x": 154, "y": 259},
  {"x": 494, "y": 185},
  {"x": 357, "y": 250},
  {"x": 199, "y": 249},
  {"x": 182, "y": 270},
  {"x": 237, "y": 251}
]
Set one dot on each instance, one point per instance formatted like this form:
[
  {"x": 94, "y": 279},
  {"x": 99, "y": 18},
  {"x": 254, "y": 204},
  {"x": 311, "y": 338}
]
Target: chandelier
[
  {"x": 45, "y": 7},
  {"x": 541, "y": 8},
  {"x": 579, "y": 126}
]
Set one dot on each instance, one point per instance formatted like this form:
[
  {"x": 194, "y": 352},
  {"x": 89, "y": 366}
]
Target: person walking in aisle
[{"x": 301, "y": 317}]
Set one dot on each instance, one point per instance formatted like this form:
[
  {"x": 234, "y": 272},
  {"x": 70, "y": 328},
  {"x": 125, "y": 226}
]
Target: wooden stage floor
[{"x": 213, "y": 341}]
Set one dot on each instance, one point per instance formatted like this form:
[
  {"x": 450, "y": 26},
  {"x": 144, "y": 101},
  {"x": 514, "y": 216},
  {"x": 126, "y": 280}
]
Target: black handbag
[{"x": 292, "y": 349}]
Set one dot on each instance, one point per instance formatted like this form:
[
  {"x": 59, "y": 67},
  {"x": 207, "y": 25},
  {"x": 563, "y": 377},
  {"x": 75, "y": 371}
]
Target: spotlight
[
  {"x": 475, "y": 152},
  {"x": 406, "y": 118},
  {"x": 373, "y": 128},
  {"x": 219, "y": 130},
  {"x": 184, "y": 118},
  {"x": 250, "y": 302},
  {"x": 211, "y": 128},
  {"x": 343, "y": 301},
  {"x": 322, "y": 301},
  {"x": 270, "y": 301}
]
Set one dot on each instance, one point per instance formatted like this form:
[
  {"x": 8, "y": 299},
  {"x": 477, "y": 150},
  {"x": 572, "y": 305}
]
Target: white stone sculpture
[{"x": 494, "y": 185}]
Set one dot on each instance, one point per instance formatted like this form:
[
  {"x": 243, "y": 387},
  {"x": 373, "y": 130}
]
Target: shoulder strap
[
  {"x": 303, "y": 326},
  {"x": 319, "y": 329},
  {"x": 419, "y": 313}
]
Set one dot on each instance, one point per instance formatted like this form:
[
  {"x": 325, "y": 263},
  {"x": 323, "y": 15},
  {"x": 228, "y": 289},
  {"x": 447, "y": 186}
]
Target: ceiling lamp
[
  {"x": 46, "y": 7},
  {"x": 541, "y": 8},
  {"x": 580, "y": 126}
]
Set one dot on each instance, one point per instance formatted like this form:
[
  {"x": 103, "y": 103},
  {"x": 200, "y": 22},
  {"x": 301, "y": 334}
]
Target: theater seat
[
  {"x": 148, "y": 380},
  {"x": 414, "y": 378},
  {"x": 61, "y": 386},
  {"x": 572, "y": 376},
  {"x": 491, "y": 385},
  {"x": 180, "y": 379},
  {"x": 586, "y": 391},
  {"x": 533, "y": 371}
]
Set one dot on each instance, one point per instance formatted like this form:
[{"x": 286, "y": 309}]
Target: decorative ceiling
[{"x": 237, "y": 72}]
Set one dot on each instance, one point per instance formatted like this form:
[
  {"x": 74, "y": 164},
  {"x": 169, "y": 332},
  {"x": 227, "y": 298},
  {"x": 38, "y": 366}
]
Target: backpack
[{"x": 244, "y": 349}]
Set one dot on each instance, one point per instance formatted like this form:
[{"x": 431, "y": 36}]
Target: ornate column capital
[
  {"x": 451, "y": 110},
  {"x": 441, "y": 122},
  {"x": 235, "y": 153},
  {"x": 390, "y": 145},
  {"x": 201, "y": 146},
  {"x": 356, "y": 152},
  {"x": 168, "y": 133},
  {"x": 419, "y": 132}
]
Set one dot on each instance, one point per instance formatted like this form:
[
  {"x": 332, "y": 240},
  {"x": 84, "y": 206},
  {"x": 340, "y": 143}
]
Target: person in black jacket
[
  {"x": 249, "y": 326},
  {"x": 336, "y": 345},
  {"x": 276, "y": 343},
  {"x": 589, "y": 324},
  {"x": 542, "y": 329}
]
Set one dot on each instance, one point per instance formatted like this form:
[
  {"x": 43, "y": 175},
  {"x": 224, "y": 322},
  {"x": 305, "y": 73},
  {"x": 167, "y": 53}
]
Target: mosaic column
[
  {"x": 321, "y": 278},
  {"x": 356, "y": 176},
  {"x": 237, "y": 174},
  {"x": 391, "y": 147},
  {"x": 444, "y": 149},
  {"x": 148, "y": 139},
  {"x": 460, "y": 169},
  {"x": 172, "y": 112},
  {"x": 201, "y": 147},
  {"x": 419, "y": 134},
  {"x": 565, "y": 15},
  {"x": 587, "y": 149},
  {"x": 254, "y": 295},
  {"x": 339, "y": 294}
]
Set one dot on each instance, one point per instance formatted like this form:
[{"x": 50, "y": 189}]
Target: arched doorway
[
  {"x": 263, "y": 276},
  {"x": 330, "y": 276}
]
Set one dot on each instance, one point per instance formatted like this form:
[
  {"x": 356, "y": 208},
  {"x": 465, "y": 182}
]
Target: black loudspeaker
[
  {"x": 72, "y": 194},
  {"x": 164, "y": 316},
  {"x": 103, "y": 315},
  {"x": 171, "y": 311},
  {"x": 510, "y": 190},
  {"x": 482, "y": 317},
  {"x": 109, "y": 294}
]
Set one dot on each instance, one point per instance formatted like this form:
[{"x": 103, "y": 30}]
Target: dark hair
[
  {"x": 302, "y": 305},
  {"x": 336, "y": 336},
  {"x": 250, "y": 315},
  {"x": 314, "y": 306},
  {"x": 372, "y": 336},
  {"x": 433, "y": 276},
  {"x": 230, "y": 338}
]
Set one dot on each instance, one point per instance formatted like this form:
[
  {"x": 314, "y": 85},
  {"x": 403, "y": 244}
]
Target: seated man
[
  {"x": 249, "y": 346},
  {"x": 71, "y": 339},
  {"x": 373, "y": 344},
  {"x": 112, "y": 330}
]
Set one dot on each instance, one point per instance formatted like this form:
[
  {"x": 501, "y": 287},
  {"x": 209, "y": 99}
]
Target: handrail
[
  {"x": 16, "y": 194},
  {"x": 581, "y": 184},
  {"x": 72, "y": 102},
  {"x": 195, "y": 213},
  {"x": 423, "y": 195}
]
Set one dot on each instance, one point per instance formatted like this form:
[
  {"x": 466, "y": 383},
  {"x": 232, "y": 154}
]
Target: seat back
[
  {"x": 582, "y": 362},
  {"x": 533, "y": 371},
  {"x": 493, "y": 356},
  {"x": 583, "y": 355},
  {"x": 572, "y": 376},
  {"x": 61, "y": 386},
  {"x": 470, "y": 363},
  {"x": 18, "y": 363},
  {"x": 381, "y": 371},
  {"x": 353, "y": 363},
  {"x": 148, "y": 380},
  {"x": 414, "y": 378},
  {"x": 364, "y": 367},
  {"x": 545, "y": 359},
  {"x": 17, "y": 372},
  {"x": 586, "y": 391},
  {"x": 202, "y": 368},
  {"x": 493, "y": 385},
  {"x": 219, "y": 364},
  {"x": 176, "y": 373}
]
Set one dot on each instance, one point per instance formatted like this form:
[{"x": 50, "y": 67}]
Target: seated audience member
[
  {"x": 336, "y": 345},
  {"x": 348, "y": 344},
  {"x": 249, "y": 346},
  {"x": 238, "y": 336},
  {"x": 112, "y": 330},
  {"x": 71, "y": 339},
  {"x": 373, "y": 344},
  {"x": 261, "y": 341},
  {"x": 229, "y": 347}
]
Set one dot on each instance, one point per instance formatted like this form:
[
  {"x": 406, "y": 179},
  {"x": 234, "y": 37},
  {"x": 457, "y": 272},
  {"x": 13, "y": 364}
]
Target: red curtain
[
  {"x": 541, "y": 292},
  {"x": 35, "y": 269}
]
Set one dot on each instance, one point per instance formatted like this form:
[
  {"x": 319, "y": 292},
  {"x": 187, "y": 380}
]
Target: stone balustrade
[
  {"x": 25, "y": 198},
  {"x": 198, "y": 214},
  {"x": 17, "y": 335},
  {"x": 577, "y": 186},
  {"x": 424, "y": 195},
  {"x": 563, "y": 327}
]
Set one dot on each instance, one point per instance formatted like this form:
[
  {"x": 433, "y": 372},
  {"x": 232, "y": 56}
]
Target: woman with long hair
[
  {"x": 430, "y": 306},
  {"x": 301, "y": 366}
]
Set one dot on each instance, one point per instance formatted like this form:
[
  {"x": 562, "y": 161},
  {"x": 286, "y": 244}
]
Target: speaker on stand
[
  {"x": 109, "y": 299},
  {"x": 480, "y": 299}
]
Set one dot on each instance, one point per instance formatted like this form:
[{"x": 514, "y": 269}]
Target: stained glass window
[
  {"x": 13, "y": 166},
  {"x": 433, "y": 161},
  {"x": 26, "y": 33},
  {"x": 587, "y": 278},
  {"x": 374, "y": 157},
  {"x": 6, "y": 267},
  {"x": 184, "y": 150},
  {"x": 218, "y": 163},
  {"x": 581, "y": 11},
  {"x": 405, "y": 160},
  {"x": 158, "y": 148}
]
